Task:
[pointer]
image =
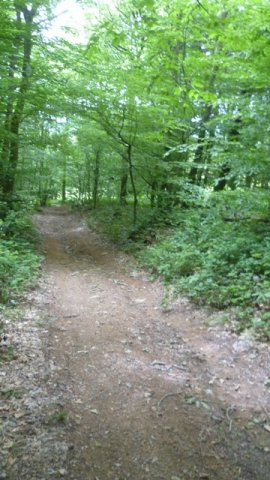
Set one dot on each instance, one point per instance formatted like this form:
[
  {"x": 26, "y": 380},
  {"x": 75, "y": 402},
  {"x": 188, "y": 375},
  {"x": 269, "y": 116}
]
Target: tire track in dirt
[{"x": 149, "y": 394}]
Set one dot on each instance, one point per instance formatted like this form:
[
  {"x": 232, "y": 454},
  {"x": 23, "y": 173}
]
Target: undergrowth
[
  {"x": 19, "y": 263},
  {"x": 116, "y": 222},
  {"x": 217, "y": 255}
]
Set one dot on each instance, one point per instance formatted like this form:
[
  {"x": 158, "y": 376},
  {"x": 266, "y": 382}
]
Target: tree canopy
[{"x": 166, "y": 105}]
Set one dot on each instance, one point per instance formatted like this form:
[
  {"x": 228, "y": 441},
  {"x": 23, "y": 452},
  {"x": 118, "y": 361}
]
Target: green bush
[
  {"x": 18, "y": 261},
  {"x": 217, "y": 255},
  {"x": 117, "y": 223},
  {"x": 18, "y": 265},
  {"x": 17, "y": 225},
  {"x": 222, "y": 262}
]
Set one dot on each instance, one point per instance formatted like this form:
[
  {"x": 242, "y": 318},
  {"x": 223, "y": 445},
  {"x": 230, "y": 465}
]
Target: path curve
[{"x": 150, "y": 394}]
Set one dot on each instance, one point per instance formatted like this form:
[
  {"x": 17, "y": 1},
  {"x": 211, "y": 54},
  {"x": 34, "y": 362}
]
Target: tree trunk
[
  {"x": 124, "y": 182},
  {"x": 64, "y": 181},
  {"x": 133, "y": 185},
  {"x": 200, "y": 150},
  {"x": 14, "y": 118},
  {"x": 88, "y": 176},
  {"x": 96, "y": 179},
  {"x": 153, "y": 194},
  {"x": 198, "y": 157},
  {"x": 223, "y": 178}
]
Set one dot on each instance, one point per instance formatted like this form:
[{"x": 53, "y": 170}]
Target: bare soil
[{"x": 119, "y": 387}]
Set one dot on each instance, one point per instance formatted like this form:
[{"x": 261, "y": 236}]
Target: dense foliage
[
  {"x": 220, "y": 263},
  {"x": 19, "y": 264},
  {"x": 165, "y": 112}
]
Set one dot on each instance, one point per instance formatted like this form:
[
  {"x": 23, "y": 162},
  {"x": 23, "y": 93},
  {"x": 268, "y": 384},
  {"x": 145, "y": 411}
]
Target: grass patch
[
  {"x": 10, "y": 393},
  {"x": 7, "y": 354},
  {"x": 57, "y": 417}
]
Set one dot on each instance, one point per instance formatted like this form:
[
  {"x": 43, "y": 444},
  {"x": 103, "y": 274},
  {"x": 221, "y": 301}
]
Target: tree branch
[{"x": 201, "y": 5}]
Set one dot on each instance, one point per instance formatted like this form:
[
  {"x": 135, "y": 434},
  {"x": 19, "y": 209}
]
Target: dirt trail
[{"x": 150, "y": 394}]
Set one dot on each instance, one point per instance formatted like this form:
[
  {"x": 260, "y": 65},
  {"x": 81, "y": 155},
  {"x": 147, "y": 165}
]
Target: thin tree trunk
[
  {"x": 133, "y": 185},
  {"x": 96, "y": 179},
  {"x": 153, "y": 194},
  {"x": 64, "y": 181},
  {"x": 88, "y": 176},
  {"x": 225, "y": 178},
  {"x": 200, "y": 150},
  {"x": 124, "y": 182}
]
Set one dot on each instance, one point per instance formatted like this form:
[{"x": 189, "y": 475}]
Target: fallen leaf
[
  {"x": 95, "y": 411},
  {"x": 9, "y": 445},
  {"x": 19, "y": 415},
  {"x": 147, "y": 394},
  {"x": 11, "y": 461},
  {"x": 63, "y": 471}
]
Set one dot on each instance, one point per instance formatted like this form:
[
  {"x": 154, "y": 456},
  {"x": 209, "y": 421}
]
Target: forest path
[{"x": 150, "y": 394}]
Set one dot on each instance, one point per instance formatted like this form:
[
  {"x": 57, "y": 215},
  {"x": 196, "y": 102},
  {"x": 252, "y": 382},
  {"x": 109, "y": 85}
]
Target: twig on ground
[
  {"x": 228, "y": 411},
  {"x": 178, "y": 367},
  {"x": 167, "y": 396},
  {"x": 265, "y": 411},
  {"x": 158, "y": 363}
]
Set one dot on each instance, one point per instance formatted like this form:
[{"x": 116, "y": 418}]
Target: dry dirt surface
[{"x": 110, "y": 385}]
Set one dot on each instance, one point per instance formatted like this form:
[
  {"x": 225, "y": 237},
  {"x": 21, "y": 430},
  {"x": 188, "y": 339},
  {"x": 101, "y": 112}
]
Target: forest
[{"x": 157, "y": 127}]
